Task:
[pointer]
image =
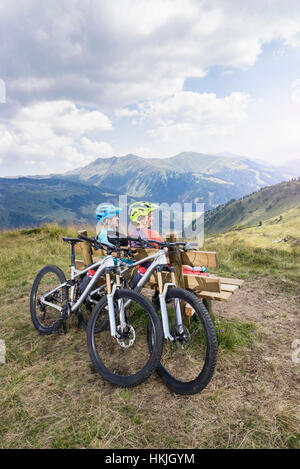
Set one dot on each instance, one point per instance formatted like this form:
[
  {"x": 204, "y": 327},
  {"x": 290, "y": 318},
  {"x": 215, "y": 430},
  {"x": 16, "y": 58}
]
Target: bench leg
[{"x": 208, "y": 304}]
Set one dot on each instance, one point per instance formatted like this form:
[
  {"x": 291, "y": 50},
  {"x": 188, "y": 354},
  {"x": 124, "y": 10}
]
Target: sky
[{"x": 85, "y": 79}]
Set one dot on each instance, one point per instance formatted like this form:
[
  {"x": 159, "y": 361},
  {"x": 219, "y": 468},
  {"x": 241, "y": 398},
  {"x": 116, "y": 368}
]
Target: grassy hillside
[
  {"x": 270, "y": 249},
  {"x": 50, "y": 396},
  {"x": 28, "y": 202},
  {"x": 250, "y": 210},
  {"x": 281, "y": 232}
]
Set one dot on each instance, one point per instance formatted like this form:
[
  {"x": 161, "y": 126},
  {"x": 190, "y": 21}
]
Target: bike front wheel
[
  {"x": 188, "y": 362},
  {"x": 47, "y": 317},
  {"x": 126, "y": 361}
]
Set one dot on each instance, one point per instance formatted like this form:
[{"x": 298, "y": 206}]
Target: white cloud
[
  {"x": 188, "y": 115},
  {"x": 130, "y": 58},
  {"x": 143, "y": 151},
  {"x": 296, "y": 91},
  {"x": 52, "y": 137},
  {"x": 2, "y": 91},
  {"x": 119, "y": 53},
  {"x": 126, "y": 113},
  {"x": 63, "y": 116},
  {"x": 94, "y": 148}
]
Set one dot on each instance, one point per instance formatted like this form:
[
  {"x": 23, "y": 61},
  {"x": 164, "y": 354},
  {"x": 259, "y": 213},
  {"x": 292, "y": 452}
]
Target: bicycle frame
[
  {"x": 159, "y": 259},
  {"x": 104, "y": 265}
]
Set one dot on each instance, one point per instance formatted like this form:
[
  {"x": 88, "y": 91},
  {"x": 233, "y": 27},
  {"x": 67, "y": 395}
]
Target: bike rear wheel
[
  {"x": 188, "y": 363},
  {"x": 127, "y": 361},
  {"x": 47, "y": 318}
]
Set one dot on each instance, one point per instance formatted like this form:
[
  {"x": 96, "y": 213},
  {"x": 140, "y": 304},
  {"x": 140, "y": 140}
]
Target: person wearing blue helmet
[{"x": 107, "y": 216}]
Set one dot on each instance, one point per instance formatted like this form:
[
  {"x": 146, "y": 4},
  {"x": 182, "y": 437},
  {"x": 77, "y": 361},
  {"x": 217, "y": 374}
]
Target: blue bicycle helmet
[{"x": 106, "y": 211}]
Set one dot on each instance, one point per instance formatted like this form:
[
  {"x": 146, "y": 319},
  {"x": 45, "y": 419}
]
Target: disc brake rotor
[{"x": 127, "y": 336}]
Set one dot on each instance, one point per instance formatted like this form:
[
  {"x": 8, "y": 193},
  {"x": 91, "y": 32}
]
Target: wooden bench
[{"x": 207, "y": 288}]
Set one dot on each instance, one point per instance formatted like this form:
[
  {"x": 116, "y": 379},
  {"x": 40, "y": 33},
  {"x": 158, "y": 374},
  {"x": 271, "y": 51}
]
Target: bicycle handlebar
[
  {"x": 98, "y": 245},
  {"x": 86, "y": 238},
  {"x": 142, "y": 241},
  {"x": 167, "y": 244},
  {"x": 93, "y": 241}
]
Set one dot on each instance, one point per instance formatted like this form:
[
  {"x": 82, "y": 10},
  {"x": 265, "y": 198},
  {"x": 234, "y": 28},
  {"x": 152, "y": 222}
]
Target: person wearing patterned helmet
[
  {"x": 107, "y": 216},
  {"x": 140, "y": 214}
]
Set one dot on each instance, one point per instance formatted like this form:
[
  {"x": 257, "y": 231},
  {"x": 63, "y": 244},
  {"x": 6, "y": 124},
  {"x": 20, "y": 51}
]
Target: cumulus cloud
[
  {"x": 52, "y": 136},
  {"x": 118, "y": 53},
  {"x": 189, "y": 115},
  {"x": 128, "y": 59},
  {"x": 2, "y": 91},
  {"x": 126, "y": 113}
]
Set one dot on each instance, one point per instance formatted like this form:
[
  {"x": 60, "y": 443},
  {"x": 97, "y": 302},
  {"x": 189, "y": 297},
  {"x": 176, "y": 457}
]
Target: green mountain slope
[
  {"x": 259, "y": 206},
  {"x": 30, "y": 202}
]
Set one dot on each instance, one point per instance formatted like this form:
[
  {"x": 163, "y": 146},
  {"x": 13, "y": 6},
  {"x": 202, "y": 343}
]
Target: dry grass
[
  {"x": 51, "y": 397},
  {"x": 281, "y": 232}
]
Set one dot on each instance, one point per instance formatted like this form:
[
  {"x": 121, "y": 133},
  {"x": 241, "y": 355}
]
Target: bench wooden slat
[
  {"x": 79, "y": 264},
  {"x": 198, "y": 283},
  {"x": 193, "y": 282},
  {"x": 77, "y": 249},
  {"x": 232, "y": 281},
  {"x": 227, "y": 287},
  {"x": 223, "y": 296},
  {"x": 142, "y": 253},
  {"x": 192, "y": 258},
  {"x": 97, "y": 258},
  {"x": 200, "y": 258},
  {"x": 99, "y": 252}
]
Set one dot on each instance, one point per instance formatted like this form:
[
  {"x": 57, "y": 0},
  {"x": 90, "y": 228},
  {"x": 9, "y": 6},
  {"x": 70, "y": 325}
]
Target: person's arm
[
  {"x": 153, "y": 234},
  {"x": 102, "y": 237}
]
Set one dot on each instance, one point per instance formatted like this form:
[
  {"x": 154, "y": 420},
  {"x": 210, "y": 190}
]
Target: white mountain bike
[
  {"x": 190, "y": 352},
  {"x": 117, "y": 336}
]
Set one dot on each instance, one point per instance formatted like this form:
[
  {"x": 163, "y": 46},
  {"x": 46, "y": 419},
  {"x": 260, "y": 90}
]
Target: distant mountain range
[
  {"x": 266, "y": 203},
  {"x": 186, "y": 177}
]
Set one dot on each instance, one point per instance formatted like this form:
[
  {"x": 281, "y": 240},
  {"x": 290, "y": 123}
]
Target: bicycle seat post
[{"x": 72, "y": 254}]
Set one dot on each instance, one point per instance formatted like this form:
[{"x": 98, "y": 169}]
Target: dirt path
[
  {"x": 253, "y": 399},
  {"x": 276, "y": 313}
]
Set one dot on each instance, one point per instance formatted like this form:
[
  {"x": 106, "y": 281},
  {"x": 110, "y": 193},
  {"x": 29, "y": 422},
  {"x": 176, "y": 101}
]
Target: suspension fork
[
  {"x": 120, "y": 301},
  {"x": 178, "y": 312},
  {"x": 162, "y": 294},
  {"x": 110, "y": 303},
  {"x": 111, "y": 290}
]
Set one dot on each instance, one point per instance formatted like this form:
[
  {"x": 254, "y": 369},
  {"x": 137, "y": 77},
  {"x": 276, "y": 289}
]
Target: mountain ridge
[
  {"x": 186, "y": 177},
  {"x": 254, "y": 208}
]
